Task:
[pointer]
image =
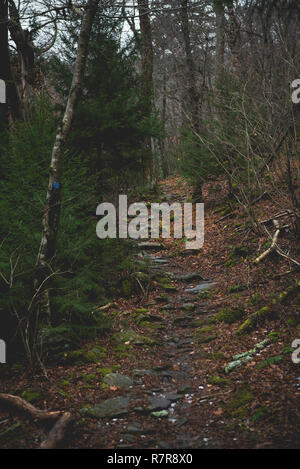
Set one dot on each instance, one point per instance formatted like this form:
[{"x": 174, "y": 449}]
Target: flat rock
[
  {"x": 143, "y": 372},
  {"x": 114, "y": 407},
  {"x": 157, "y": 260},
  {"x": 201, "y": 287},
  {"x": 134, "y": 428},
  {"x": 158, "y": 403},
  {"x": 116, "y": 379},
  {"x": 173, "y": 396},
  {"x": 189, "y": 277}
]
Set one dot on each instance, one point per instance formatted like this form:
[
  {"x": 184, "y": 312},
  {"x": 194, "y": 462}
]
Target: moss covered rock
[
  {"x": 133, "y": 338},
  {"x": 230, "y": 316}
]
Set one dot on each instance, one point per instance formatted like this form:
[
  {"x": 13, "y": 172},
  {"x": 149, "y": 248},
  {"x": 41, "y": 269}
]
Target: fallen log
[{"x": 268, "y": 311}]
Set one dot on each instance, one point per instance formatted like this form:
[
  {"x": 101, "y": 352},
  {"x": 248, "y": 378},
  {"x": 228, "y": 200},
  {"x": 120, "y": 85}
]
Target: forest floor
[{"x": 171, "y": 345}]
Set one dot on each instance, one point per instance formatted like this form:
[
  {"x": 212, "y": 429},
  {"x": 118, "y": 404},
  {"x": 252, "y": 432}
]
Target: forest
[{"x": 149, "y": 225}]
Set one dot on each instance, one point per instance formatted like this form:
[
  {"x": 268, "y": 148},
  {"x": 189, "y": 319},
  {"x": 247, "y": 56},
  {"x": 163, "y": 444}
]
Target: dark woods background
[{"x": 196, "y": 86}]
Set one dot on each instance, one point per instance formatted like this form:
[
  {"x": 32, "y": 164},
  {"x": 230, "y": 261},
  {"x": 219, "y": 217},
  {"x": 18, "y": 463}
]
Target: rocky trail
[
  {"x": 159, "y": 380},
  {"x": 161, "y": 403}
]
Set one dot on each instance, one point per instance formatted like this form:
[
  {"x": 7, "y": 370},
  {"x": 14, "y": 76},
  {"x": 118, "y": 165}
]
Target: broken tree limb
[
  {"x": 268, "y": 311},
  {"x": 24, "y": 406},
  {"x": 57, "y": 434},
  {"x": 273, "y": 244},
  {"x": 280, "y": 214}
]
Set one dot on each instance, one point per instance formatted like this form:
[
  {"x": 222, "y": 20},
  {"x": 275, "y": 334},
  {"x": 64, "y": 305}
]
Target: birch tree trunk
[
  {"x": 147, "y": 89},
  {"x": 53, "y": 199}
]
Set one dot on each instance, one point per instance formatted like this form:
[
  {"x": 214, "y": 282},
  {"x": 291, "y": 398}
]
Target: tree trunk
[
  {"x": 220, "y": 37},
  {"x": 234, "y": 38},
  {"x": 193, "y": 95},
  {"x": 25, "y": 50},
  {"x": 164, "y": 163},
  {"x": 4, "y": 61},
  {"x": 147, "y": 88},
  {"x": 53, "y": 198}
]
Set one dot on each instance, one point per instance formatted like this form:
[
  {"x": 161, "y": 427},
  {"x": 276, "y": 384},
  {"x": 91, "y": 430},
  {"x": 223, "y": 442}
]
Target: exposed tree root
[{"x": 57, "y": 433}]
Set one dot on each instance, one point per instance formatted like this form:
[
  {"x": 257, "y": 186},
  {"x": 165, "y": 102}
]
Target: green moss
[
  {"x": 205, "y": 340},
  {"x": 96, "y": 354},
  {"x": 292, "y": 322},
  {"x": 151, "y": 325},
  {"x": 64, "y": 393},
  {"x": 236, "y": 288},
  {"x": 197, "y": 323},
  {"x": 89, "y": 378},
  {"x": 204, "y": 330},
  {"x": 246, "y": 326},
  {"x": 237, "y": 253},
  {"x": 255, "y": 318},
  {"x": 105, "y": 386},
  {"x": 108, "y": 370},
  {"x": 65, "y": 383},
  {"x": 230, "y": 316},
  {"x": 17, "y": 368},
  {"x": 142, "y": 310},
  {"x": 168, "y": 286},
  {"x": 270, "y": 361},
  {"x": 274, "y": 336},
  {"x": 13, "y": 433},
  {"x": 254, "y": 298},
  {"x": 216, "y": 380},
  {"x": 239, "y": 406},
  {"x": 259, "y": 414},
  {"x": 32, "y": 395},
  {"x": 127, "y": 287},
  {"x": 218, "y": 355},
  {"x": 133, "y": 338},
  {"x": 262, "y": 312},
  {"x": 211, "y": 320},
  {"x": 123, "y": 351},
  {"x": 205, "y": 295},
  {"x": 287, "y": 350},
  {"x": 81, "y": 357},
  {"x": 204, "y": 354},
  {"x": 230, "y": 263}
]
